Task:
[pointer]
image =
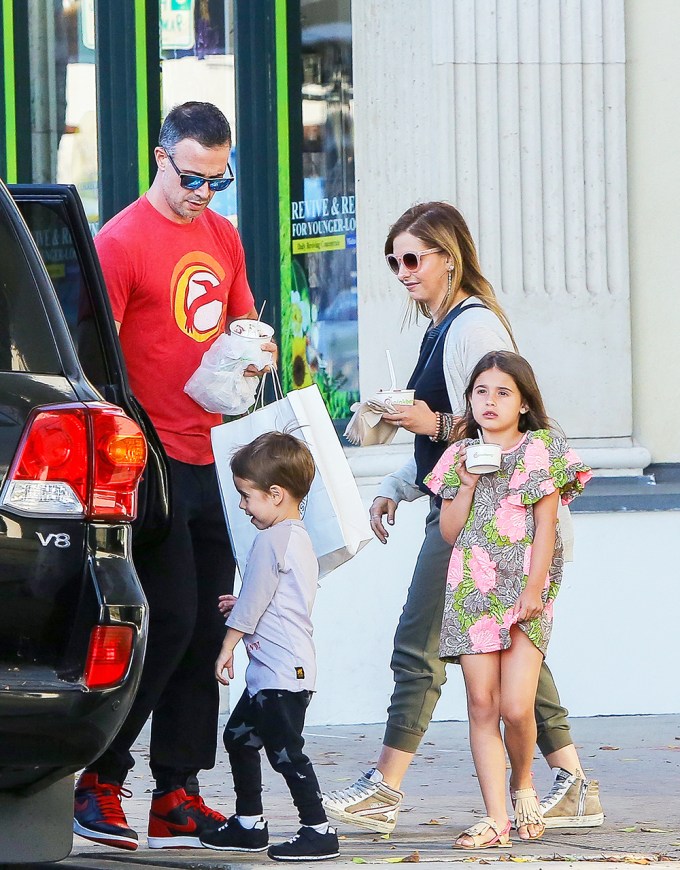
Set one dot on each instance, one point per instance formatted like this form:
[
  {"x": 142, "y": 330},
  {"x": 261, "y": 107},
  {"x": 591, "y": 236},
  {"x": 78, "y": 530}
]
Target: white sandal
[
  {"x": 478, "y": 831},
  {"x": 527, "y": 811}
]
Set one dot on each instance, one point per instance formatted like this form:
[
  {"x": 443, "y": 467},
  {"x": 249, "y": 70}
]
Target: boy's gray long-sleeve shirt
[{"x": 274, "y": 609}]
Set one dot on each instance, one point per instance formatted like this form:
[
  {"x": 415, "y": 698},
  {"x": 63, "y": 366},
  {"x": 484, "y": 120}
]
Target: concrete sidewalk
[{"x": 635, "y": 758}]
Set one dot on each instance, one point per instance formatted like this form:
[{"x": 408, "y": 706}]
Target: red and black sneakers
[
  {"x": 179, "y": 818},
  {"x": 98, "y": 814}
]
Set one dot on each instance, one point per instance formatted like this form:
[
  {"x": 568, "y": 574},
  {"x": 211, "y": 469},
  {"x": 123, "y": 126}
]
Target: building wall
[
  {"x": 614, "y": 646},
  {"x": 515, "y": 112},
  {"x": 653, "y": 83},
  {"x": 612, "y": 651},
  {"x": 602, "y": 360}
]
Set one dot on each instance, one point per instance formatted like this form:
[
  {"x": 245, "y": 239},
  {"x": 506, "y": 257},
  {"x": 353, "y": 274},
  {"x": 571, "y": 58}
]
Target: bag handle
[{"x": 276, "y": 385}]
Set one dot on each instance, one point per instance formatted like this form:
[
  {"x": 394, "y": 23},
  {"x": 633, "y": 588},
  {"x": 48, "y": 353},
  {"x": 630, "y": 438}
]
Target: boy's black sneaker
[
  {"x": 307, "y": 845},
  {"x": 233, "y": 837}
]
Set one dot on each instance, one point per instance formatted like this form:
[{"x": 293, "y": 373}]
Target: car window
[
  {"x": 49, "y": 225},
  {"x": 26, "y": 341}
]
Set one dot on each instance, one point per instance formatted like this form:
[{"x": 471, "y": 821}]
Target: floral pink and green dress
[{"x": 490, "y": 560}]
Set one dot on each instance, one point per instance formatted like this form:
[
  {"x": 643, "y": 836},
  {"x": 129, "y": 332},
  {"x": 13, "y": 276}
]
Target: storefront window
[
  {"x": 197, "y": 62},
  {"x": 319, "y": 332},
  {"x": 63, "y": 96}
]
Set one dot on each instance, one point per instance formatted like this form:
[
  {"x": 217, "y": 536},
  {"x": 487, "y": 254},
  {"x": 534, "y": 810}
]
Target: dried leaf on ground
[
  {"x": 358, "y": 861},
  {"x": 629, "y": 830},
  {"x": 655, "y": 831},
  {"x": 612, "y": 748},
  {"x": 413, "y": 858},
  {"x": 431, "y": 822}
]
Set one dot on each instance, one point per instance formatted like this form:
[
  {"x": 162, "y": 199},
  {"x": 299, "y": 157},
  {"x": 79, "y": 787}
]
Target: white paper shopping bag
[{"x": 334, "y": 515}]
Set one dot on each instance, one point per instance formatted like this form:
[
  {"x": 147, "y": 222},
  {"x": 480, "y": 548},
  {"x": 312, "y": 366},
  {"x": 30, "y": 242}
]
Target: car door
[{"x": 57, "y": 220}]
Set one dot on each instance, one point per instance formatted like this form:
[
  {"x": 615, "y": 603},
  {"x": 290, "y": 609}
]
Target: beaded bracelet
[
  {"x": 437, "y": 428},
  {"x": 444, "y": 428},
  {"x": 447, "y": 427}
]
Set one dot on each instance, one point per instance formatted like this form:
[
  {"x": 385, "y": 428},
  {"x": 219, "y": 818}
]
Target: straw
[
  {"x": 259, "y": 316},
  {"x": 391, "y": 368},
  {"x": 481, "y": 437}
]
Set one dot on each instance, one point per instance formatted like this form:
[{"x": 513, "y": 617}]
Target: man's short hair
[
  {"x": 276, "y": 459},
  {"x": 203, "y": 122}
]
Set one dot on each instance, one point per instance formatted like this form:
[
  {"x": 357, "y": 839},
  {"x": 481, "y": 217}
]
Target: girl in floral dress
[{"x": 504, "y": 574}]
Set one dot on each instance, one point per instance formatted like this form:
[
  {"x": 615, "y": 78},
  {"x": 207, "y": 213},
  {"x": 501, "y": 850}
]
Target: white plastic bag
[{"x": 218, "y": 384}]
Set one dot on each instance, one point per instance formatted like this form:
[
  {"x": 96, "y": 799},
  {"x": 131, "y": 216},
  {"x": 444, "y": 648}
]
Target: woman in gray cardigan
[{"x": 432, "y": 254}]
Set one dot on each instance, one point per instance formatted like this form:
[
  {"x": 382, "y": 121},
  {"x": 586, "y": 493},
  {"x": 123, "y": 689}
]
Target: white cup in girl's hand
[{"x": 483, "y": 458}]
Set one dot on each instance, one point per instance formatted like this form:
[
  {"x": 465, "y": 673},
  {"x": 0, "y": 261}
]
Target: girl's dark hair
[
  {"x": 276, "y": 459},
  {"x": 203, "y": 122},
  {"x": 441, "y": 225},
  {"x": 523, "y": 375}
]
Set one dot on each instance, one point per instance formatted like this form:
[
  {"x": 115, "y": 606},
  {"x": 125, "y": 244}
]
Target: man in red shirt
[{"x": 175, "y": 273}]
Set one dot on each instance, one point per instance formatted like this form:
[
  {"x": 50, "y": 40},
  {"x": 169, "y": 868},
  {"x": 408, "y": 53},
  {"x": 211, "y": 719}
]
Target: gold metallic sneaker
[
  {"x": 367, "y": 803},
  {"x": 572, "y": 802}
]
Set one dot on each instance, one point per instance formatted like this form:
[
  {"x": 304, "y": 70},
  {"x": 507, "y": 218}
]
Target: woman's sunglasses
[
  {"x": 411, "y": 260},
  {"x": 192, "y": 182}
]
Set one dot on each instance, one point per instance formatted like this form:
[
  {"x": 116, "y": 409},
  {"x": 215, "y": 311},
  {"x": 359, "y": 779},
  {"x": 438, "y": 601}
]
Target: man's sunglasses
[
  {"x": 411, "y": 260},
  {"x": 192, "y": 182}
]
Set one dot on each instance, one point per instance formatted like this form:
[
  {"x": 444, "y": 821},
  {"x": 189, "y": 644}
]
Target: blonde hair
[{"x": 440, "y": 225}]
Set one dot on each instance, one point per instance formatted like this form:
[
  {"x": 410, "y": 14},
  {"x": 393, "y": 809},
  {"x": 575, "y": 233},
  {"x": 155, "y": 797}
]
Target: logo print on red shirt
[{"x": 198, "y": 296}]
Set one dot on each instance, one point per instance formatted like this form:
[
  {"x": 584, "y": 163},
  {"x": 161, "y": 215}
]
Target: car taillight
[
  {"x": 78, "y": 460},
  {"x": 108, "y": 656},
  {"x": 119, "y": 459}
]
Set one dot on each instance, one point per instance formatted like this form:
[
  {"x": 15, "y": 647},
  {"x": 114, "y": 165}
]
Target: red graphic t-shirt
[{"x": 172, "y": 287}]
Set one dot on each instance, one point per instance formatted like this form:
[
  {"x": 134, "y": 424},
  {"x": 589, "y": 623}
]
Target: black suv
[{"x": 73, "y": 443}]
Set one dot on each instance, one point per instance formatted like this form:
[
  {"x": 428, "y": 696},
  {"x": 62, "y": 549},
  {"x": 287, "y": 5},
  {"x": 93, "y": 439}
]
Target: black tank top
[{"x": 430, "y": 385}]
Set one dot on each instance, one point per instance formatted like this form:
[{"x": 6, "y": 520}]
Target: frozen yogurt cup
[
  {"x": 483, "y": 458},
  {"x": 396, "y": 397},
  {"x": 254, "y": 329}
]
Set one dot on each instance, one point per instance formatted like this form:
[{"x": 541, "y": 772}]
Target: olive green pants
[{"x": 419, "y": 673}]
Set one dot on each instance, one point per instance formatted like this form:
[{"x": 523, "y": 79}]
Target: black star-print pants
[{"x": 272, "y": 720}]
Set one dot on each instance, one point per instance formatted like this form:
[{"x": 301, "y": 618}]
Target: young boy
[{"x": 273, "y": 474}]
